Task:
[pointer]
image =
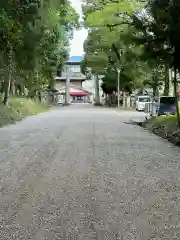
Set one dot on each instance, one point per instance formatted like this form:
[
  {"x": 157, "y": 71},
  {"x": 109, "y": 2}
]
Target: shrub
[
  {"x": 18, "y": 109},
  {"x": 164, "y": 126}
]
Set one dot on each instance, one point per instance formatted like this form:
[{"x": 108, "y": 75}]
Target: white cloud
[{"x": 80, "y": 35}]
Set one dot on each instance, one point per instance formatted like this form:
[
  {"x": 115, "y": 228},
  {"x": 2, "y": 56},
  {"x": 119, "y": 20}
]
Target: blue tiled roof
[{"x": 76, "y": 59}]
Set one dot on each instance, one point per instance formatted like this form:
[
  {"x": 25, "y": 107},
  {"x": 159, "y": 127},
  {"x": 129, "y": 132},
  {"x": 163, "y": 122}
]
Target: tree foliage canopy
[
  {"x": 140, "y": 37},
  {"x": 34, "y": 40},
  {"x": 110, "y": 43}
]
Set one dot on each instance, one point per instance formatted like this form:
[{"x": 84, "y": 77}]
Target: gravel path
[{"x": 81, "y": 173}]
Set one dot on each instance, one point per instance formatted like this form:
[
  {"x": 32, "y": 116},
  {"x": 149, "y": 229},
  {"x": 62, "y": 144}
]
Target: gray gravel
[{"x": 81, "y": 173}]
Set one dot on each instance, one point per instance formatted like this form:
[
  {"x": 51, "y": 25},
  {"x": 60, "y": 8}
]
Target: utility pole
[
  {"x": 97, "y": 97},
  {"x": 118, "y": 87},
  {"x": 118, "y": 68}
]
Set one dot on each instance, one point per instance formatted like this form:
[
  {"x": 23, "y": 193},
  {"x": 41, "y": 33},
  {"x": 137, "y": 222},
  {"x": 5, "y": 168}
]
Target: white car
[{"x": 141, "y": 102}]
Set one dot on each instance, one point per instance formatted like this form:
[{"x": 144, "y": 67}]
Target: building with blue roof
[
  {"x": 75, "y": 59},
  {"x": 72, "y": 77}
]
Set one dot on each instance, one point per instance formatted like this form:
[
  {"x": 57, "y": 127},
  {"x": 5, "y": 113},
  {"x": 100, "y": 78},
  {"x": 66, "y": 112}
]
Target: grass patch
[
  {"x": 165, "y": 127},
  {"x": 19, "y": 108}
]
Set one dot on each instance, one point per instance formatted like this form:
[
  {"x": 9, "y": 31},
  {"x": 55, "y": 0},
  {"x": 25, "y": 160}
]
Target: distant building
[
  {"x": 72, "y": 72},
  {"x": 90, "y": 86}
]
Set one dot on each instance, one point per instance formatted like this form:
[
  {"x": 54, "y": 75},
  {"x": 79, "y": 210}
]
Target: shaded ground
[{"x": 80, "y": 172}]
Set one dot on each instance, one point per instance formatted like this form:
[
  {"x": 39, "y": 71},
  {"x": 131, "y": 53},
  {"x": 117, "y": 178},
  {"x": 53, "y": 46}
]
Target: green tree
[
  {"x": 109, "y": 43},
  {"x": 161, "y": 37},
  {"x": 34, "y": 40}
]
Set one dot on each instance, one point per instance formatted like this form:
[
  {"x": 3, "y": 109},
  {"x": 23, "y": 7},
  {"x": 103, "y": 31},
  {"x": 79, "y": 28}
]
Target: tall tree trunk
[
  {"x": 166, "y": 81},
  {"x": 12, "y": 87},
  {"x": 6, "y": 92},
  {"x": 154, "y": 85},
  {"x": 2, "y": 88},
  {"x": 8, "y": 83},
  {"x": 39, "y": 96},
  {"x": 176, "y": 96}
]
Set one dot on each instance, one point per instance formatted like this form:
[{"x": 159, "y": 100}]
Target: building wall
[
  {"x": 76, "y": 84},
  {"x": 62, "y": 84},
  {"x": 89, "y": 85},
  {"x": 59, "y": 85},
  {"x": 72, "y": 71}
]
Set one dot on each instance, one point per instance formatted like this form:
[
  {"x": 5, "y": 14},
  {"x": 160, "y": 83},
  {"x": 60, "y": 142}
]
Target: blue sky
[{"x": 80, "y": 35}]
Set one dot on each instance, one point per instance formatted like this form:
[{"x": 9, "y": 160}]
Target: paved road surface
[{"x": 81, "y": 173}]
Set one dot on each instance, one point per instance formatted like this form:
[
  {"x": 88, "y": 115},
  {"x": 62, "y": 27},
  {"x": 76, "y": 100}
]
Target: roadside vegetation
[
  {"x": 19, "y": 108},
  {"x": 34, "y": 43},
  {"x": 165, "y": 127},
  {"x": 141, "y": 38}
]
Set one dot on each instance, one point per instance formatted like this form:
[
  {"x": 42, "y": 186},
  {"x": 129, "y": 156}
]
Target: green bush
[
  {"x": 8, "y": 115},
  {"x": 164, "y": 126},
  {"x": 19, "y": 108}
]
